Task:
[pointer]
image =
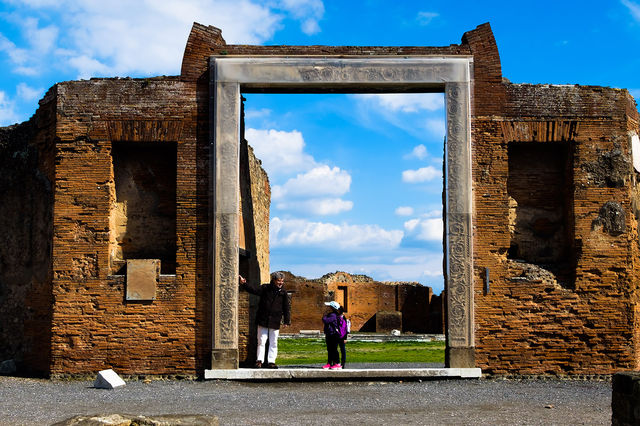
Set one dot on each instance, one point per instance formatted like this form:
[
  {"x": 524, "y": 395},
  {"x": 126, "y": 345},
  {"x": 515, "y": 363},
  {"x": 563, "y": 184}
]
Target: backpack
[{"x": 344, "y": 326}]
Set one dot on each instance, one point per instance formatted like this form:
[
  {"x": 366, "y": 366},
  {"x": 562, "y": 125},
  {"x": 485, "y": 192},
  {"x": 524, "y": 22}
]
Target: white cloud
[
  {"x": 317, "y": 190},
  {"x": 321, "y": 180},
  {"x": 281, "y": 152},
  {"x": 257, "y": 113},
  {"x": 8, "y": 114},
  {"x": 317, "y": 206},
  {"x": 309, "y": 11},
  {"x": 147, "y": 37},
  {"x": 41, "y": 39},
  {"x": 633, "y": 7},
  {"x": 303, "y": 233},
  {"x": 425, "y": 18},
  {"x": 404, "y": 211},
  {"x": 423, "y": 174},
  {"x": 419, "y": 152},
  {"x": 27, "y": 93},
  {"x": 424, "y": 229},
  {"x": 310, "y": 27},
  {"x": 405, "y": 102},
  {"x": 87, "y": 66},
  {"x": 436, "y": 126}
]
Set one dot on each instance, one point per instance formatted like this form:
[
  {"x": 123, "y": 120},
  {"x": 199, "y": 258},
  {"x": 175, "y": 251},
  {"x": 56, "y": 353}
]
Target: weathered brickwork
[
  {"x": 27, "y": 164},
  {"x": 363, "y": 298},
  {"x": 577, "y": 313},
  {"x": 555, "y": 224}
]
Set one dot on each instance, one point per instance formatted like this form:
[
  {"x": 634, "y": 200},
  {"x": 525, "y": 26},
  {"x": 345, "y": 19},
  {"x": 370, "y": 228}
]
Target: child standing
[
  {"x": 344, "y": 329},
  {"x": 332, "y": 335}
]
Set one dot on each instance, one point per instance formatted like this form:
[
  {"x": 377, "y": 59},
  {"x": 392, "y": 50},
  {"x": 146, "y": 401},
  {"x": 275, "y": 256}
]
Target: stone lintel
[{"x": 351, "y": 72}]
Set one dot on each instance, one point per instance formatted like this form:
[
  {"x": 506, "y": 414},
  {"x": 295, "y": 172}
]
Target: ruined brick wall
[
  {"x": 26, "y": 161},
  {"x": 362, "y": 297},
  {"x": 560, "y": 242},
  {"x": 93, "y": 326},
  {"x": 255, "y": 195},
  {"x": 307, "y": 303},
  {"x": 553, "y": 186}
]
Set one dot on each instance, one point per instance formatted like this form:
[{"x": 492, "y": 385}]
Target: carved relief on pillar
[
  {"x": 226, "y": 282},
  {"x": 225, "y": 189},
  {"x": 458, "y": 218}
]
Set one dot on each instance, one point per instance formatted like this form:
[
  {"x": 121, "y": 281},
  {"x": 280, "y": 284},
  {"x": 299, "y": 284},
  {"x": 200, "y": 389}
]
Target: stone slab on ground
[
  {"x": 128, "y": 419},
  {"x": 108, "y": 379},
  {"x": 346, "y": 374}
]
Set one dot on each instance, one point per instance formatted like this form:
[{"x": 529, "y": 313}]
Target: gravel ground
[{"x": 477, "y": 402}]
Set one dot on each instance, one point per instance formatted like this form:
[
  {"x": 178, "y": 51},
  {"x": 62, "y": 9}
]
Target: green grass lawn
[{"x": 314, "y": 351}]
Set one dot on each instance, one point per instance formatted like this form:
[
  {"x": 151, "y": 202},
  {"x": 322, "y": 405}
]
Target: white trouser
[{"x": 263, "y": 333}]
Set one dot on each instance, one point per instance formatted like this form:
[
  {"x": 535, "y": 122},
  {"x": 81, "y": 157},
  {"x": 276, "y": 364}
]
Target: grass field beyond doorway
[{"x": 314, "y": 351}]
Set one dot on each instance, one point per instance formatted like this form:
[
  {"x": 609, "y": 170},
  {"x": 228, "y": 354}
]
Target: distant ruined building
[
  {"x": 129, "y": 206},
  {"x": 409, "y": 307}
]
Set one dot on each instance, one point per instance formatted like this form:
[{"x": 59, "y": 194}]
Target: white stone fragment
[
  {"x": 108, "y": 379},
  {"x": 635, "y": 151}
]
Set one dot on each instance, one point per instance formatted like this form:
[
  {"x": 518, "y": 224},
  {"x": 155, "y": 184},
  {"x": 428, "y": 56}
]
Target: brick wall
[
  {"x": 539, "y": 316},
  {"x": 26, "y": 192},
  {"x": 93, "y": 326},
  {"x": 542, "y": 316},
  {"x": 363, "y": 298}
]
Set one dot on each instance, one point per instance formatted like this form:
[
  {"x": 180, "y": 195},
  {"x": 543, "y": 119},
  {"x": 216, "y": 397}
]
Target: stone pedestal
[
  {"x": 224, "y": 359},
  {"x": 460, "y": 357}
]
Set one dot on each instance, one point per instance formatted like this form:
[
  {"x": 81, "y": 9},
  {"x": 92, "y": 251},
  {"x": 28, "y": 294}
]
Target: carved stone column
[
  {"x": 225, "y": 169},
  {"x": 458, "y": 223}
]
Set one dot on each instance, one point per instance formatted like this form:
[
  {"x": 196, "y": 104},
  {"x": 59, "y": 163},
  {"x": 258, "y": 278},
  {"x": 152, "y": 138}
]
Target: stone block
[
  {"x": 222, "y": 359},
  {"x": 108, "y": 379},
  {"x": 142, "y": 278}
]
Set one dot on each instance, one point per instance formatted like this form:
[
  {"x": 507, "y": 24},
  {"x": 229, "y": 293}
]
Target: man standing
[{"x": 274, "y": 303}]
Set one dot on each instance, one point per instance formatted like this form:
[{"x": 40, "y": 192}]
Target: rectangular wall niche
[
  {"x": 143, "y": 215},
  {"x": 540, "y": 202}
]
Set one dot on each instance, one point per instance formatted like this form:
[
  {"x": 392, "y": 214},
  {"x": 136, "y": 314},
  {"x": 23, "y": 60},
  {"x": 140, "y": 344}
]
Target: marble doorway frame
[{"x": 230, "y": 76}]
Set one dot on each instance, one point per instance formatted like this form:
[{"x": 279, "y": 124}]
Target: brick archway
[{"x": 230, "y": 76}]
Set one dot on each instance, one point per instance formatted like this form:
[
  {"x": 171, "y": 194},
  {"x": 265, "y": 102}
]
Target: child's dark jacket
[{"x": 330, "y": 321}]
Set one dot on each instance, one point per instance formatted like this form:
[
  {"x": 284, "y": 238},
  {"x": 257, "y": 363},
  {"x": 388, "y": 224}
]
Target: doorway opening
[
  {"x": 232, "y": 76},
  {"x": 356, "y": 187}
]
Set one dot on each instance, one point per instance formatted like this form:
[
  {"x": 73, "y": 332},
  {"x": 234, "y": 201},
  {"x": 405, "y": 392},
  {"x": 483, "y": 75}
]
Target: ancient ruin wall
[
  {"x": 255, "y": 195},
  {"x": 25, "y": 242},
  {"x": 94, "y": 327},
  {"x": 363, "y": 298},
  {"x": 561, "y": 297}
]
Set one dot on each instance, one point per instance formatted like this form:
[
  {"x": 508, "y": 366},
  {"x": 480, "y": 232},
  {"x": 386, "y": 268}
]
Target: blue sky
[{"x": 356, "y": 178}]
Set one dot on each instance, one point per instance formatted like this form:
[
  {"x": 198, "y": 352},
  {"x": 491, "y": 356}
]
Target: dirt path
[{"x": 477, "y": 402}]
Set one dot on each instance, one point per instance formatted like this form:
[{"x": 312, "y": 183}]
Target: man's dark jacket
[{"x": 274, "y": 303}]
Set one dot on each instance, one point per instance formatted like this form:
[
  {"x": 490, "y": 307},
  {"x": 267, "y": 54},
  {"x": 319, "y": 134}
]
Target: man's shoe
[
  {"x": 258, "y": 364},
  {"x": 326, "y": 366},
  {"x": 336, "y": 367},
  {"x": 272, "y": 365}
]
